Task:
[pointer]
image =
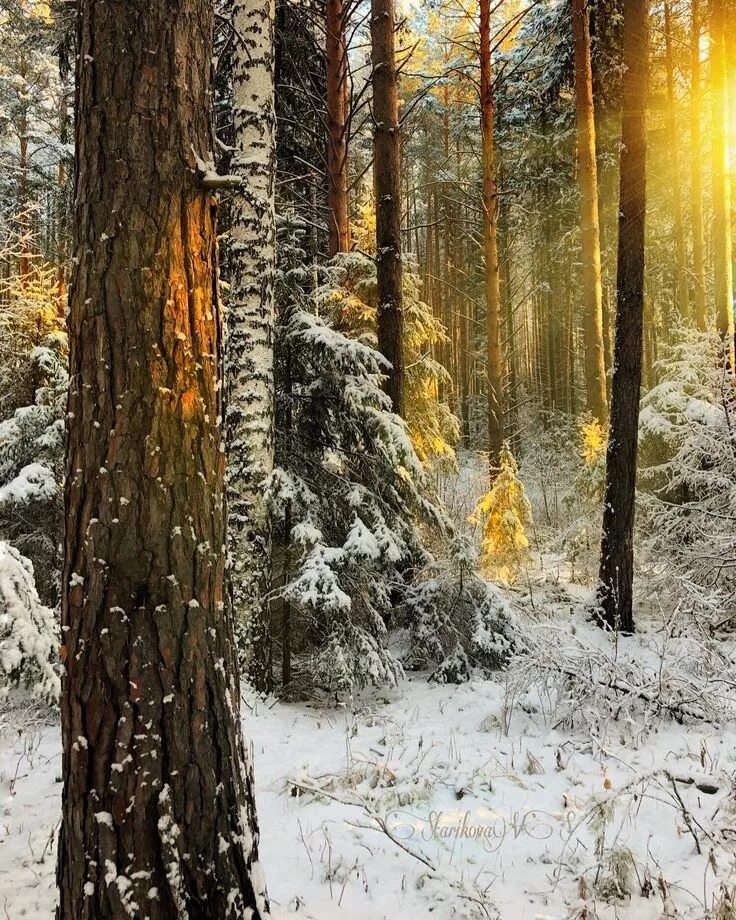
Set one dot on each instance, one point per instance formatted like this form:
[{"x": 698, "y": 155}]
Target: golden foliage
[
  {"x": 592, "y": 440},
  {"x": 505, "y": 514}
]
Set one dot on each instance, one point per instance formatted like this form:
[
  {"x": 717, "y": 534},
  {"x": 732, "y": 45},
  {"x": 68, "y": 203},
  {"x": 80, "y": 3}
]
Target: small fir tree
[{"x": 505, "y": 514}]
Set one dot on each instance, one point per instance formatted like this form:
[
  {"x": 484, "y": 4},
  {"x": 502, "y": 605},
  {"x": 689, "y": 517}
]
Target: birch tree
[
  {"x": 158, "y": 813},
  {"x": 250, "y": 325}
]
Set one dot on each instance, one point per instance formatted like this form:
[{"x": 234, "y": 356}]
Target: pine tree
[
  {"x": 150, "y": 684},
  {"x": 595, "y": 368},
  {"x": 387, "y": 181},
  {"x": 615, "y": 591}
]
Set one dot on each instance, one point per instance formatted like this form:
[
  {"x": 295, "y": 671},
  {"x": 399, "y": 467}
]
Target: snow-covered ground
[{"x": 492, "y": 812}]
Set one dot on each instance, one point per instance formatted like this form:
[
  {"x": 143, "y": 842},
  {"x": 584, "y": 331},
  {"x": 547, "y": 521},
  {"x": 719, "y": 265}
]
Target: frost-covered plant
[
  {"x": 31, "y": 450},
  {"x": 457, "y": 620},
  {"x": 589, "y": 679},
  {"x": 504, "y": 514},
  {"x": 347, "y": 494},
  {"x": 688, "y": 479},
  {"x": 348, "y": 299},
  {"x": 28, "y": 629}
]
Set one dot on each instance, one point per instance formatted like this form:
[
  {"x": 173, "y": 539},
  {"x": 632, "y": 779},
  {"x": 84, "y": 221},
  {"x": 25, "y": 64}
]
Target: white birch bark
[{"x": 251, "y": 320}]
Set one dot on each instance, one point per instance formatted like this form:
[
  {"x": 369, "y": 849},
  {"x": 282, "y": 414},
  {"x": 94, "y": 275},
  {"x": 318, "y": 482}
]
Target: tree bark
[
  {"x": 387, "y": 179},
  {"x": 683, "y": 296},
  {"x": 490, "y": 248},
  {"x": 595, "y": 364},
  {"x": 250, "y": 328},
  {"x": 723, "y": 269},
  {"x": 696, "y": 173},
  {"x": 338, "y": 109},
  {"x": 617, "y": 550},
  {"x": 158, "y": 812}
]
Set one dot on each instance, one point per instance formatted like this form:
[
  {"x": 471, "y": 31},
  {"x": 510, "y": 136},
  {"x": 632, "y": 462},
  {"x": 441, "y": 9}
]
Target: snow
[{"x": 491, "y": 809}]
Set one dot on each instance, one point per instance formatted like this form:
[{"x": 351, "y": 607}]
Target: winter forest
[{"x": 367, "y": 460}]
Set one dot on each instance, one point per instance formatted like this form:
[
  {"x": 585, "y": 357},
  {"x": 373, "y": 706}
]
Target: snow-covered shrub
[
  {"x": 28, "y": 630},
  {"x": 457, "y": 620},
  {"x": 31, "y": 456},
  {"x": 590, "y": 679},
  {"x": 504, "y": 514},
  {"x": 688, "y": 480},
  {"x": 347, "y": 496}
]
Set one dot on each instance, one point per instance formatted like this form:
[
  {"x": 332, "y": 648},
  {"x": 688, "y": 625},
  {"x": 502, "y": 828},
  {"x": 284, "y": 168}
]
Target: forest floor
[{"x": 445, "y": 801}]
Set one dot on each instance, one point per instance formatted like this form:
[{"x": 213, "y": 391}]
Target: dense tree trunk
[
  {"x": 723, "y": 269},
  {"x": 617, "y": 550},
  {"x": 490, "y": 248},
  {"x": 338, "y": 109},
  {"x": 387, "y": 179},
  {"x": 158, "y": 812},
  {"x": 250, "y": 328},
  {"x": 595, "y": 363},
  {"x": 683, "y": 297},
  {"x": 696, "y": 172}
]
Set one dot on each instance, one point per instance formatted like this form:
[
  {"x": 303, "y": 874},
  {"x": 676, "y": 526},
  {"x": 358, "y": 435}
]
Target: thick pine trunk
[
  {"x": 338, "y": 109},
  {"x": 387, "y": 179},
  {"x": 595, "y": 362},
  {"x": 723, "y": 269},
  {"x": 250, "y": 320},
  {"x": 617, "y": 549},
  {"x": 678, "y": 231},
  {"x": 158, "y": 812},
  {"x": 490, "y": 248},
  {"x": 696, "y": 172}
]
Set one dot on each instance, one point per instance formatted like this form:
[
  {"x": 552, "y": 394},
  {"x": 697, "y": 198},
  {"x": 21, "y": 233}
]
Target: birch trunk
[
  {"x": 158, "y": 817},
  {"x": 250, "y": 327}
]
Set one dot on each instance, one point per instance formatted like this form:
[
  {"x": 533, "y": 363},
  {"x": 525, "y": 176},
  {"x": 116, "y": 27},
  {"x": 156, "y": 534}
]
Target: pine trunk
[
  {"x": 723, "y": 269},
  {"x": 250, "y": 324},
  {"x": 683, "y": 297},
  {"x": 490, "y": 242},
  {"x": 617, "y": 550},
  {"x": 696, "y": 173},
  {"x": 595, "y": 364},
  {"x": 387, "y": 178},
  {"x": 158, "y": 812},
  {"x": 337, "y": 100}
]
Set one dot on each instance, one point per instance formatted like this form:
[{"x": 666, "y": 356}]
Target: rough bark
[
  {"x": 158, "y": 812},
  {"x": 722, "y": 245},
  {"x": 696, "y": 172},
  {"x": 387, "y": 179},
  {"x": 338, "y": 110},
  {"x": 595, "y": 364},
  {"x": 678, "y": 231},
  {"x": 617, "y": 550},
  {"x": 490, "y": 248},
  {"x": 250, "y": 327}
]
